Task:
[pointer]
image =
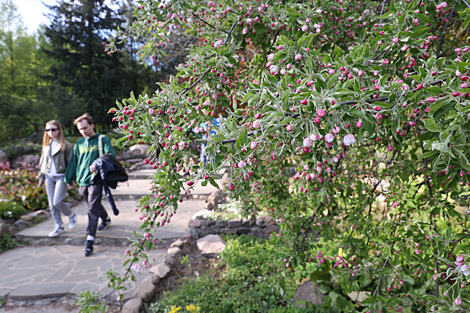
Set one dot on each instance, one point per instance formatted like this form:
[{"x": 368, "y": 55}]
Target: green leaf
[
  {"x": 214, "y": 183},
  {"x": 320, "y": 277},
  {"x": 453, "y": 213},
  {"x": 241, "y": 138},
  {"x": 338, "y": 51},
  {"x": 427, "y": 154},
  {"x": 431, "y": 125}
]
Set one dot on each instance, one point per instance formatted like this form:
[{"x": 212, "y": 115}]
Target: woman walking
[{"x": 56, "y": 153}]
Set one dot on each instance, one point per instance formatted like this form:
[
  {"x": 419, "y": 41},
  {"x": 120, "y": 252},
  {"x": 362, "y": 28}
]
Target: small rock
[
  {"x": 145, "y": 291},
  {"x": 125, "y": 156},
  {"x": 234, "y": 223},
  {"x": 139, "y": 150},
  {"x": 154, "y": 279},
  {"x": 178, "y": 243},
  {"x": 211, "y": 245},
  {"x": 27, "y": 217},
  {"x": 174, "y": 250},
  {"x": 21, "y": 224},
  {"x": 3, "y": 228},
  {"x": 194, "y": 223},
  {"x": 132, "y": 306},
  {"x": 308, "y": 291},
  {"x": 36, "y": 213},
  {"x": 161, "y": 270}
]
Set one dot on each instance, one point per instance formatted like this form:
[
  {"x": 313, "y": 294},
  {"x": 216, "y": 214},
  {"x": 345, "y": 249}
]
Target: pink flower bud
[
  {"x": 321, "y": 113},
  {"x": 359, "y": 124},
  {"x": 404, "y": 48},
  {"x": 376, "y": 87},
  {"x": 395, "y": 40},
  {"x": 231, "y": 186},
  {"x": 280, "y": 47},
  {"x": 289, "y": 128},
  {"x": 360, "y": 73},
  {"x": 390, "y": 148},
  {"x": 254, "y": 144},
  {"x": 419, "y": 87},
  {"x": 304, "y": 101},
  {"x": 190, "y": 183},
  {"x": 298, "y": 57},
  {"x": 256, "y": 124},
  {"x": 257, "y": 115},
  {"x": 430, "y": 99},
  {"x": 331, "y": 72},
  {"x": 458, "y": 301},
  {"x": 245, "y": 31}
]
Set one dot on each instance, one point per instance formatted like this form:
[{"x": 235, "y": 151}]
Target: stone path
[{"x": 55, "y": 267}]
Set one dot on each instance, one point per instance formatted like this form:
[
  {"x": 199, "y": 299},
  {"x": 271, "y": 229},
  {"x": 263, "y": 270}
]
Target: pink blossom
[
  {"x": 298, "y": 57},
  {"x": 349, "y": 139},
  {"x": 320, "y": 258},
  {"x": 458, "y": 301},
  {"x": 289, "y": 66},
  {"x": 245, "y": 31},
  {"x": 376, "y": 73},
  {"x": 241, "y": 164},
  {"x": 256, "y": 124},
  {"x": 404, "y": 48},
  {"x": 329, "y": 137},
  {"x": 331, "y": 72},
  {"x": 254, "y": 144},
  {"x": 304, "y": 28},
  {"x": 307, "y": 142},
  {"x": 283, "y": 72},
  {"x": 395, "y": 40},
  {"x": 289, "y": 128},
  {"x": 335, "y": 130}
]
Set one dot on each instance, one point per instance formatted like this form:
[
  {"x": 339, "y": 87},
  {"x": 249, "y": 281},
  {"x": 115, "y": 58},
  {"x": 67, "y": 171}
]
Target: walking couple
[{"x": 61, "y": 164}]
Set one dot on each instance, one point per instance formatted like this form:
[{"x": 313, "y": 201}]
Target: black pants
[{"x": 93, "y": 195}]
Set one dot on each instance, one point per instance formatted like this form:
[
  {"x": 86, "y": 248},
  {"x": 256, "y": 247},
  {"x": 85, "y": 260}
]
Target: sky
[{"x": 33, "y": 13}]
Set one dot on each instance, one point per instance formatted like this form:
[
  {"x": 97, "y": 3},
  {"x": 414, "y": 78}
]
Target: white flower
[
  {"x": 349, "y": 139},
  {"x": 241, "y": 164},
  {"x": 465, "y": 269},
  {"x": 274, "y": 69},
  {"x": 329, "y": 137}
]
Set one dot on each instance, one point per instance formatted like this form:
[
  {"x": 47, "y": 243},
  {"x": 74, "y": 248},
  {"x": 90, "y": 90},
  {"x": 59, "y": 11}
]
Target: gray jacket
[{"x": 61, "y": 160}]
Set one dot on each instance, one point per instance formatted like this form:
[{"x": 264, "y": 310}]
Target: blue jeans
[{"x": 56, "y": 190}]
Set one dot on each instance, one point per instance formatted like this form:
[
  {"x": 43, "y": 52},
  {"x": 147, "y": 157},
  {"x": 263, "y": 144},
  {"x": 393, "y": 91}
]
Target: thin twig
[{"x": 466, "y": 3}]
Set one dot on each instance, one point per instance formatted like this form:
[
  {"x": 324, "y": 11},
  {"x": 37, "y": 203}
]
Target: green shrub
[
  {"x": 6, "y": 243},
  {"x": 22, "y": 148},
  {"x": 11, "y": 210},
  {"x": 245, "y": 285}
]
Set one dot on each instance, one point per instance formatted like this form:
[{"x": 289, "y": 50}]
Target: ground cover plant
[
  {"x": 368, "y": 100},
  {"x": 240, "y": 280}
]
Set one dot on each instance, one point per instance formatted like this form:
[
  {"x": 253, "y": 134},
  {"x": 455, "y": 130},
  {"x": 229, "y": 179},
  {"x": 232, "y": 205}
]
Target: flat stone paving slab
[
  {"x": 68, "y": 271},
  {"x": 122, "y": 226}
]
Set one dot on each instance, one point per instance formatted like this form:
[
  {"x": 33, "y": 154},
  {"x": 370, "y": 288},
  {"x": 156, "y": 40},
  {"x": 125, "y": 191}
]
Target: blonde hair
[{"x": 60, "y": 139}]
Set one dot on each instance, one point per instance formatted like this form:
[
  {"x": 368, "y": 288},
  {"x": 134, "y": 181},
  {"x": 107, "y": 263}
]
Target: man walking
[{"x": 85, "y": 151}]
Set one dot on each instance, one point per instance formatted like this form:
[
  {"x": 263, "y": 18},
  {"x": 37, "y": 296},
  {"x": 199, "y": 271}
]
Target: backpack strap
[{"x": 100, "y": 144}]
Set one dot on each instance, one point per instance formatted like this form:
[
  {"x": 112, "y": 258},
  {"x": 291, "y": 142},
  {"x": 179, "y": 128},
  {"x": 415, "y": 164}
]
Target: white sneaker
[
  {"x": 72, "y": 221},
  {"x": 58, "y": 230}
]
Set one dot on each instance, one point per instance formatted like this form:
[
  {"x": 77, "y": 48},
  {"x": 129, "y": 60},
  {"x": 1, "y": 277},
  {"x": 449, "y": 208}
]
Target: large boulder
[
  {"x": 139, "y": 150},
  {"x": 3, "y": 157},
  {"x": 309, "y": 292},
  {"x": 31, "y": 159}
]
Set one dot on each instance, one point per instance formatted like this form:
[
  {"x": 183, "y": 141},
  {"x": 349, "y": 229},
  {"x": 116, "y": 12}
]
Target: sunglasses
[{"x": 51, "y": 129}]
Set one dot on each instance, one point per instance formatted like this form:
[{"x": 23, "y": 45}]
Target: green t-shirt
[{"x": 85, "y": 152}]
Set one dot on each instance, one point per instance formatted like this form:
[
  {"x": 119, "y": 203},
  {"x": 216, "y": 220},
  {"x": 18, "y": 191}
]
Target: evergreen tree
[{"x": 83, "y": 68}]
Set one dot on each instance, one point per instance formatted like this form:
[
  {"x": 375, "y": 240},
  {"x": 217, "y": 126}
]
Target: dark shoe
[
  {"x": 105, "y": 224},
  {"x": 88, "y": 248}
]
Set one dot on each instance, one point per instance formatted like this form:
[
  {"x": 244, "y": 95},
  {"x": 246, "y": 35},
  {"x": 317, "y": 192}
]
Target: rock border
[
  {"x": 257, "y": 228},
  {"x": 147, "y": 289}
]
